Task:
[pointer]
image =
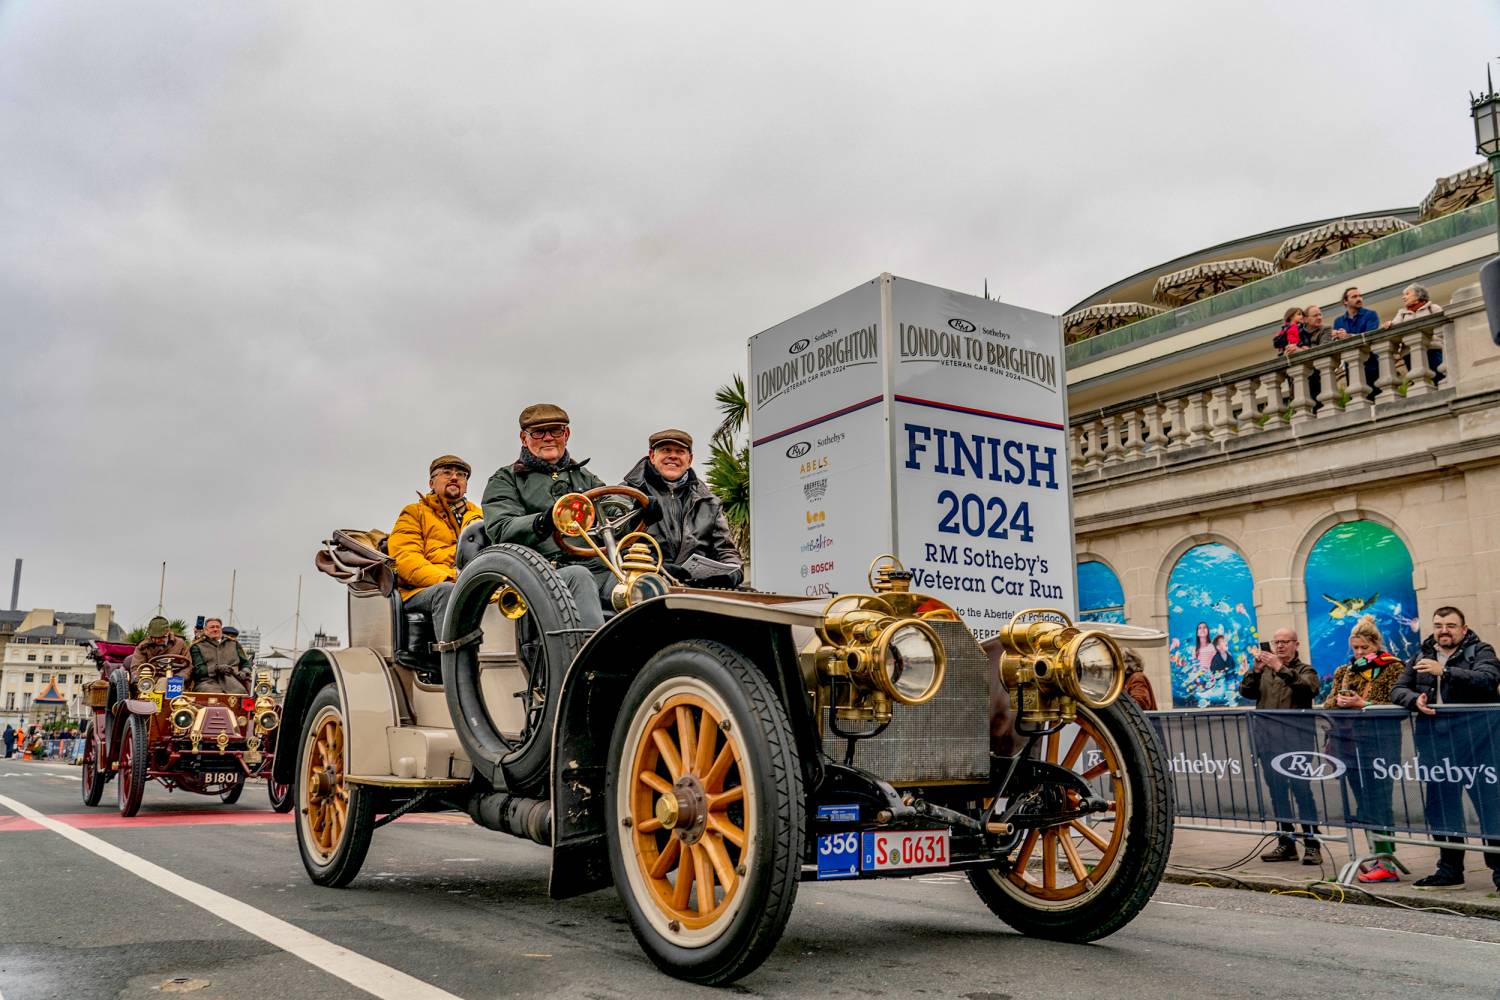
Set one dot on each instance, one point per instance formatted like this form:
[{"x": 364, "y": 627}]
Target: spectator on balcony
[
  {"x": 1290, "y": 339},
  {"x": 1416, "y": 304},
  {"x": 1137, "y": 684},
  {"x": 1314, "y": 333},
  {"x": 1280, "y": 680},
  {"x": 1453, "y": 667},
  {"x": 1366, "y": 681},
  {"x": 1355, "y": 319}
]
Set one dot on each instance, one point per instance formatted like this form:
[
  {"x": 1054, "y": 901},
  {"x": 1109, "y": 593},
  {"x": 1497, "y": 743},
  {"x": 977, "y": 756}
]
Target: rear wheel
[
  {"x": 1085, "y": 879},
  {"x": 93, "y": 781},
  {"x": 705, "y": 812},
  {"x": 335, "y": 819},
  {"x": 280, "y": 795},
  {"x": 131, "y": 786}
]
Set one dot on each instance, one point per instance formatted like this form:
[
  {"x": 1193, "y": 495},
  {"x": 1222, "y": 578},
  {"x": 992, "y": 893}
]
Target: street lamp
[{"x": 1485, "y": 110}]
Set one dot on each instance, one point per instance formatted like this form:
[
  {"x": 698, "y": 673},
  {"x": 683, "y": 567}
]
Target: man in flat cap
[
  {"x": 424, "y": 542},
  {"x": 519, "y": 497},
  {"x": 160, "y": 641},
  {"x": 220, "y": 664},
  {"x": 696, "y": 547}
]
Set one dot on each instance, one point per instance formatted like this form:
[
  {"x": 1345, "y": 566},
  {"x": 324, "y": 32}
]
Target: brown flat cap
[
  {"x": 671, "y": 436},
  {"x": 453, "y": 460},
  {"x": 543, "y": 413}
]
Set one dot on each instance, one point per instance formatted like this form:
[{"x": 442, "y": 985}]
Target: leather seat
[{"x": 471, "y": 541}]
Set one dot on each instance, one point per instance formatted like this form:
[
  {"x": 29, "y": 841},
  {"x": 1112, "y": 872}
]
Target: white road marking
[
  {"x": 358, "y": 971},
  {"x": 1190, "y": 906}
]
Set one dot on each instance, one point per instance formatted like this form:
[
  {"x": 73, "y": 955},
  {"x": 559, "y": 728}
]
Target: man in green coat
[
  {"x": 219, "y": 662},
  {"x": 518, "y": 501}
]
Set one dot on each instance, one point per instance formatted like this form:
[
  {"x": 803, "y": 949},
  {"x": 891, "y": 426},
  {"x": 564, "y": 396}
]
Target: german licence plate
[{"x": 885, "y": 850}]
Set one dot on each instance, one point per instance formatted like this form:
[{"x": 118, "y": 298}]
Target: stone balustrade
[{"x": 1322, "y": 388}]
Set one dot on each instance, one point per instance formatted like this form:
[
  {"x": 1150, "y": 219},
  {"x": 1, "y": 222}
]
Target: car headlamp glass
[
  {"x": 1098, "y": 669},
  {"x": 182, "y": 718},
  {"x": 911, "y": 662},
  {"x": 145, "y": 684}
]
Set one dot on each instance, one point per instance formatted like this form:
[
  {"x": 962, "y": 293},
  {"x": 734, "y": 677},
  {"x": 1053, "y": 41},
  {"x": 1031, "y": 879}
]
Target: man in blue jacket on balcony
[{"x": 1356, "y": 318}]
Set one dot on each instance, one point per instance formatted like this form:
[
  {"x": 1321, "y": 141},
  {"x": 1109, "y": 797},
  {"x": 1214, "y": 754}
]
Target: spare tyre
[{"x": 548, "y": 634}]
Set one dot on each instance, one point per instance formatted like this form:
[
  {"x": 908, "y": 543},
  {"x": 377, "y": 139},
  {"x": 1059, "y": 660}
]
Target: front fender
[
  {"x": 138, "y": 707},
  {"x": 371, "y": 703}
]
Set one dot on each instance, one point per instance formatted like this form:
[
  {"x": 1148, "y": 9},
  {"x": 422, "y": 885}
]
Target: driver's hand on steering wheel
[
  {"x": 651, "y": 514},
  {"x": 542, "y": 524}
]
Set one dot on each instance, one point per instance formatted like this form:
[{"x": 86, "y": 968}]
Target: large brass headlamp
[
  {"x": 145, "y": 678},
  {"x": 183, "y": 715},
  {"x": 871, "y": 659},
  {"x": 263, "y": 684},
  {"x": 1053, "y": 665}
]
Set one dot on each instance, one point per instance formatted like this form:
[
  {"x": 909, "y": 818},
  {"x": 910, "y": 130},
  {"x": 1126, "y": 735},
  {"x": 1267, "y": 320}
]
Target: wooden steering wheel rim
[{"x": 630, "y": 492}]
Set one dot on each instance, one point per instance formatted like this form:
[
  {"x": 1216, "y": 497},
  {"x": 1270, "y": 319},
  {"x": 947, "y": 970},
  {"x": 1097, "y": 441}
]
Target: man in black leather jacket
[
  {"x": 1454, "y": 667},
  {"x": 685, "y": 516}
]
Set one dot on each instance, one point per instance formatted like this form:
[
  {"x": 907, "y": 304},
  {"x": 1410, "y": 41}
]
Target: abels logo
[
  {"x": 962, "y": 325},
  {"x": 799, "y": 449}
]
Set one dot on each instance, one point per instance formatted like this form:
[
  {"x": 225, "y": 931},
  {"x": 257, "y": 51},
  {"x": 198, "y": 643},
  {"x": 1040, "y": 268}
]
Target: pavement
[
  {"x": 1232, "y": 860},
  {"x": 210, "y": 900}
]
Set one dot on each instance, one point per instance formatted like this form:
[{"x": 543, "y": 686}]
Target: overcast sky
[{"x": 259, "y": 263}]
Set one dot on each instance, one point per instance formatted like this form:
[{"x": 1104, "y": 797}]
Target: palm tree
[{"x": 729, "y": 463}]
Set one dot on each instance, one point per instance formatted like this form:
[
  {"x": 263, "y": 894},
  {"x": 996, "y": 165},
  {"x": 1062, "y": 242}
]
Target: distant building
[
  {"x": 250, "y": 641},
  {"x": 44, "y": 647},
  {"x": 322, "y": 640}
]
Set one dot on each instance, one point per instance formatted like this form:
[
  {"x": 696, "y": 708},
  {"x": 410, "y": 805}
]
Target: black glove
[
  {"x": 728, "y": 581},
  {"x": 676, "y": 572},
  {"x": 542, "y": 523},
  {"x": 651, "y": 514}
]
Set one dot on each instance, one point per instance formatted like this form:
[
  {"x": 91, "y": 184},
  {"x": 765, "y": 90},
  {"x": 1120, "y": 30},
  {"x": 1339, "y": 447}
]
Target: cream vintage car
[{"x": 706, "y": 750}]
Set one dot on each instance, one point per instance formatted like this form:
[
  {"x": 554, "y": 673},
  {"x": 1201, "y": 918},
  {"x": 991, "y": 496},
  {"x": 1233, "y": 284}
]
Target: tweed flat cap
[
  {"x": 157, "y": 627},
  {"x": 453, "y": 460},
  {"x": 543, "y": 413},
  {"x": 671, "y": 436}
]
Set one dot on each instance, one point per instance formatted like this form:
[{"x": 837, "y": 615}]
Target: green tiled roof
[{"x": 1467, "y": 222}]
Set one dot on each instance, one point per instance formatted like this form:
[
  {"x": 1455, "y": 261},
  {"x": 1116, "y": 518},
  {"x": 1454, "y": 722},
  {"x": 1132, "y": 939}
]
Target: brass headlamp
[
  {"x": 182, "y": 715},
  {"x": 265, "y": 714},
  {"x": 1050, "y": 665},
  {"x": 145, "y": 678},
  {"x": 263, "y": 684}
]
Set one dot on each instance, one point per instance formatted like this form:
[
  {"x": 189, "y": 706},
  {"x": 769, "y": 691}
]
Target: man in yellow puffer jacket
[{"x": 424, "y": 541}]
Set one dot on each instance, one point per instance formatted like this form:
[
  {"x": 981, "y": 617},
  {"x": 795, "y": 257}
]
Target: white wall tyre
[
  {"x": 1085, "y": 880},
  {"x": 704, "y": 791},
  {"x": 335, "y": 819}
]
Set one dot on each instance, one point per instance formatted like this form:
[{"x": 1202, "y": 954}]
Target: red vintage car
[{"x": 146, "y": 726}]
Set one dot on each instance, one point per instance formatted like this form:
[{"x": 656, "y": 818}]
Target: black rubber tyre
[
  {"x": 332, "y": 850},
  {"x": 93, "y": 781},
  {"x": 131, "y": 781},
  {"x": 763, "y": 784},
  {"x": 231, "y": 795},
  {"x": 521, "y": 764},
  {"x": 280, "y": 795},
  {"x": 1120, "y": 886}
]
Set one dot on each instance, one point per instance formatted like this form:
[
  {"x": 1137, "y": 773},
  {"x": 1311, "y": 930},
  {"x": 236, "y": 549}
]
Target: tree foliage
[
  {"x": 729, "y": 462},
  {"x": 177, "y": 625}
]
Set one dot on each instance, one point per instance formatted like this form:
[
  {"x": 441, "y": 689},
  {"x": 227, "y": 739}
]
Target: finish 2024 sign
[{"x": 900, "y": 417}]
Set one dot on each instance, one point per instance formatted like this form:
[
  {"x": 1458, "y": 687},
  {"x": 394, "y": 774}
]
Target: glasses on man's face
[
  {"x": 452, "y": 474},
  {"x": 542, "y": 433}
]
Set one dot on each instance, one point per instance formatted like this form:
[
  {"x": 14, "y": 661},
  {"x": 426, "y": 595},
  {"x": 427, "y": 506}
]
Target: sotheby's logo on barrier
[{"x": 1379, "y": 770}]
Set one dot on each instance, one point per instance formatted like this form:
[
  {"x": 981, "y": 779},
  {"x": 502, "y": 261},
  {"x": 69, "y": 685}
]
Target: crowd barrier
[
  {"x": 1381, "y": 770},
  {"x": 68, "y": 750}
]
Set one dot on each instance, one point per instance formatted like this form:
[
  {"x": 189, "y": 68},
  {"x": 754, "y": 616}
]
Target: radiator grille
[{"x": 947, "y": 739}]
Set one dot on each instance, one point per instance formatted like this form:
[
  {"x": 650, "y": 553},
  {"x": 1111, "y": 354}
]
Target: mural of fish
[
  {"x": 1221, "y": 606},
  {"x": 1349, "y": 605}
]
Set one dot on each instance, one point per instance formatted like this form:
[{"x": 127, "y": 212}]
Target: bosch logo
[
  {"x": 799, "y": 346},
  {"x": 962, "y": 325},
  {"x": 1308, "y": 765},
  {"x": 822, "y": 567},
  {"x": 799, "y": 449}
]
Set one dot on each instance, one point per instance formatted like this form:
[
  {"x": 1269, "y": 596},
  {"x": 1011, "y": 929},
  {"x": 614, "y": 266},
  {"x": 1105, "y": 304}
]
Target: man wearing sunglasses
[{"x": 518, "y": 503}]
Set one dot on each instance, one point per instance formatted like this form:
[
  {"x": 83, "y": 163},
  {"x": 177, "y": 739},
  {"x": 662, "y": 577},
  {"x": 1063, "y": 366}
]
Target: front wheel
[
  {"x": 1083, "y": 880},
  {"x": 335, "y": 819},
  {"x": 705, "y": 812},
  {"x": 93, "y": 781},
  {"x": 231, "y": 795},
  {"x": 131, "y": 787}
]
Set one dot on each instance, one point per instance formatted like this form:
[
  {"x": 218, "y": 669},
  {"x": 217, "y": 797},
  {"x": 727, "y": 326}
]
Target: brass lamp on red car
[{"x": 1049, "y": 665}]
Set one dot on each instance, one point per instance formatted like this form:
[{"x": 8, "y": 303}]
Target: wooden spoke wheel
[
  {"x": 705, "y": 811},
  {"x": 335, "y": 820},
  {"x": 1086, "y": 878},
  {"x": 93, "y": 780},
  {"x": 131, "y": 786}
]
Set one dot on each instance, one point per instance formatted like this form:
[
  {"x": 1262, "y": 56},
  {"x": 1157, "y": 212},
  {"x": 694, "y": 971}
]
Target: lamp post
[{"x": 1485, "y": 110}]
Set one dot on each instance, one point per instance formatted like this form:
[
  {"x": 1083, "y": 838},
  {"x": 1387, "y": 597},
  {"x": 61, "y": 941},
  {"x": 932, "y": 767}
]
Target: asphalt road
[{"x": 465, "y": 911}]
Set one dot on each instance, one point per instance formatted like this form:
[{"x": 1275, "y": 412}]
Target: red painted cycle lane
[{"x": 105, "y": 820}]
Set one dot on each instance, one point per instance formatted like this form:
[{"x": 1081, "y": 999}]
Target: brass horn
[{"x": 510, "y": 602}]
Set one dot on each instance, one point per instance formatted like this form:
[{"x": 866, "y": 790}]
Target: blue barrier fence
[{"x": 1380, "y": 770}]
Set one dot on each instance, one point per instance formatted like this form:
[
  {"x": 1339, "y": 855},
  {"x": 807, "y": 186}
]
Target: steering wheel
[
  {"x": 616, "y": 507},
  {"x": 168, "y": 661}
]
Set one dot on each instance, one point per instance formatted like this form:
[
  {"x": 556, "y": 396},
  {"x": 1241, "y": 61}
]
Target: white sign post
[{"x": 904, "y": 418}]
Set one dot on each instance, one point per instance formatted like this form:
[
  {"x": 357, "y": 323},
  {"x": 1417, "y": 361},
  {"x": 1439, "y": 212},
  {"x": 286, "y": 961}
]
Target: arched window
[
  {"x": 1211, "y": 619},
  {"x": 1358, "y": 568},
  {"x": 1100, "y": 596}
]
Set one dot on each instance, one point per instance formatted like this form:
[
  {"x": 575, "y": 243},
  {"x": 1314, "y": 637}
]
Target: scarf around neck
[{"x": 536, "y": 464}]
